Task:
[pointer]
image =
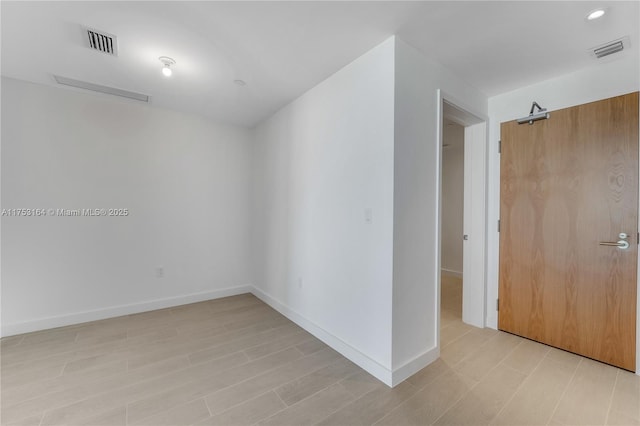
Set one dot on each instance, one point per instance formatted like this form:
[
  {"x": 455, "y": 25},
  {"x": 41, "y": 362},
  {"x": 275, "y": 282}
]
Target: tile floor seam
[
  {"x": 613, "y": 391},
  {"x": 515, "y": 391},
  {"x": 93, "y": 382},
  {"x": 377, "y": 422},
  {"x": 306, "y": 375},
  {"x": 471, "y": 353},
  {"x": 207, "y": 405},
  {"x": 337, "y": 409},
  {"x": 52, "y": 392},
  {"x": 62, "y": 353},
  {"x": 99, "y": 394},
  {"x": 447, "y": 409},
  {"x": 292, "y": 346},
  {"x": 397, "y": 407},
  {"x": 87, "y": 370},
  {"x": 241, "y": 350},
  {"x": 492, "y": 369},
  {"x": 352, "y": 402},
  {"x": 248, "y": 378},
  {"x": 498, "y": 364},
  {"x": 478, "y": 382},
  {"x": 244, "y": 352},
  {"x": 184, "y": 384},
  {"x": 20, "y": 341},
  {"x": 141, "y": 420},
  {"x": 282, "y": 400},
  {"x": 264, "y": 373},
  {"x": 564, "y": 391},
  {"x": 231, "y": 407},
  {"x": 457, "y": 338},
  {"x": 436, "y": 377}
]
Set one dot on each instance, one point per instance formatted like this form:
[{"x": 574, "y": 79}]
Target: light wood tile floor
[{"x": 235, "y": 361}]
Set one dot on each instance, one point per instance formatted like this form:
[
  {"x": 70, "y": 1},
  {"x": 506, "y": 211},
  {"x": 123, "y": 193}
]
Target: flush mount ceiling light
[
  {"x": 167, "y": 62},
  {"x": 595, "y": 14}
]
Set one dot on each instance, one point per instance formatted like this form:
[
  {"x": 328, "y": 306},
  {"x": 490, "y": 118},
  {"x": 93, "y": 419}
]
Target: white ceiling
[{"x": 282, "y": 49}]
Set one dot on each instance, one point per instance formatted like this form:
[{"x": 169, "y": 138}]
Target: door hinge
[
  {"x": 638, "y": 239},
  {"x": 500, "y": 147},
  {"x": 497, "y": 304},
  {"x": 498, "y": 225}
]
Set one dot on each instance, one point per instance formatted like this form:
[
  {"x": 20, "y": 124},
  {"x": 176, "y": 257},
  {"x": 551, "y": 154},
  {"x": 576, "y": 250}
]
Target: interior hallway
[{"x": 236, "y": 361}]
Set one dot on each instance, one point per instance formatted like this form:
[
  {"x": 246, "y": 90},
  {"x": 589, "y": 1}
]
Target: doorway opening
[
  {"x": 462, "y": 225},
  {"x": 452, "y": 229}
]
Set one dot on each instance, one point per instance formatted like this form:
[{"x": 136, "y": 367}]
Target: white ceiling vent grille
[
  {"x": 609, "y": 48},
  {"x": 102, "y": 41}
]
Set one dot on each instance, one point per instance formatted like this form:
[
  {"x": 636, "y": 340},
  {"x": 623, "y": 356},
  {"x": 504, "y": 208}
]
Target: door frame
[{"x": 475, "y": 165}]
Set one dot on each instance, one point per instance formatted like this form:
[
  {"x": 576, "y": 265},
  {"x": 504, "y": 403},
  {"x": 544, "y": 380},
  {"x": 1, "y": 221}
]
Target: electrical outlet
[
  {"x": 159, "y": 272},
  {"x": 299, "y": 282}
]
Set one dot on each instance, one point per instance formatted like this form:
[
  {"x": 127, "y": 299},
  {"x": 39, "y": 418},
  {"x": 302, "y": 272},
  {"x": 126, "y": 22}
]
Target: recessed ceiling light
[
  {"x": 240, "y": 82},
  {"x": 595, "y": 14},
  {"x": 167, "y": 62}
]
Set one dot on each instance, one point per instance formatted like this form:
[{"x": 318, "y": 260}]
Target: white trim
[
  {"x": 368, "y": 364},
  {"x": 475, "y": 207},
  {"x": 474, "y": 307},
  {"x": 116, "y": 311},
  {"x": 411, "y": 367},
  {"x": 452, "y": 272}
]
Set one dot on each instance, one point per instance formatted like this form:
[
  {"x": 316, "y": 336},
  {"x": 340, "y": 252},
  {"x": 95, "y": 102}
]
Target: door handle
[{"x": 622, "y": 244}]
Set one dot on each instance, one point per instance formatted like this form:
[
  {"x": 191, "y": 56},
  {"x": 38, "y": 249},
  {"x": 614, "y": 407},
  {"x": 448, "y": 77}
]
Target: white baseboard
[
  {"x": 400, "y": 374},
  {"x": 452, "y": 272},
  {"x": 116, "y": 311},
  {"x": 377, "y": 370},
  {"x": 368, "y": 364}
]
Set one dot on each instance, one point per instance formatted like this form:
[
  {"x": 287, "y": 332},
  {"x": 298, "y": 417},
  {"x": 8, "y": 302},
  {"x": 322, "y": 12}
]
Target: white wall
[
  {"x": 319, "y": 164},
  {"x": 184, "y": 179},
  {"x": 416, "y": 238},
  {"x": 452, "y": 197},
  {"x": 612, "y": 78}
]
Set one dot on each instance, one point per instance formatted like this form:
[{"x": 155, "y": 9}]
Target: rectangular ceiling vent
[
  {"x": 102, "y": 41},
  {"x": 102, "y": 89},
  {"x": 609, "y": 48}
]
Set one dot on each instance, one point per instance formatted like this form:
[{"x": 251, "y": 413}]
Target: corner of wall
[{"x": 374, "y": 368}]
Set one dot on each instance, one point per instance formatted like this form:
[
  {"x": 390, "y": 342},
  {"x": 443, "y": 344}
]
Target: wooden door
[{"x": 567, "y": 184}]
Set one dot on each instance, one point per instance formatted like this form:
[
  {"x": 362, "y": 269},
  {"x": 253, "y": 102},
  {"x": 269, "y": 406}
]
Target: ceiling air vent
[
  {"x": 99, "y": 88},
  {"x": 102, "y": 42},
  {"x": 609, "y": 48}
]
